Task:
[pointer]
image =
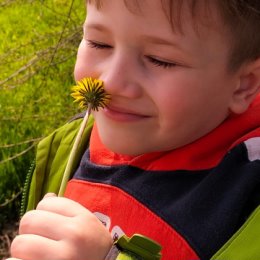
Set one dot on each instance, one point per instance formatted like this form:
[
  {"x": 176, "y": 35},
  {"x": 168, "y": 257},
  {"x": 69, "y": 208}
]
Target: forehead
[
  {"x": 150, "y": 18},
  {"x": 202, "y": 12}
]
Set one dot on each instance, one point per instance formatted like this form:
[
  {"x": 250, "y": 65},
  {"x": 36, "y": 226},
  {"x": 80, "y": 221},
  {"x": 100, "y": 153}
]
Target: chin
[
  {"x": 122, "y": 139},
  {"x": 119, "y": 142},
  {"x": 123, "y": 149}
]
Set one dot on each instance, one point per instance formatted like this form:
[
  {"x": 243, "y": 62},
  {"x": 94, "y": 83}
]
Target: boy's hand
[{"x": 61, "y": 229}]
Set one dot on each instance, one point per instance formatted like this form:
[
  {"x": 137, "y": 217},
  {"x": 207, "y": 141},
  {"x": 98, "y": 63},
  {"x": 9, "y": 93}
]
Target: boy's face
[{"x": 168, "y": 89}]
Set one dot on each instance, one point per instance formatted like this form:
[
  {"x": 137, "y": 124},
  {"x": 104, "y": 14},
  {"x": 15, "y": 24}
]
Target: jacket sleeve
[
  {"x": 245, "y": 244},
  {"x": 51, "y": 158}
]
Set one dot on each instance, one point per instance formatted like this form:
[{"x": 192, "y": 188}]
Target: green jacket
[{"x": 46, "y": 174}]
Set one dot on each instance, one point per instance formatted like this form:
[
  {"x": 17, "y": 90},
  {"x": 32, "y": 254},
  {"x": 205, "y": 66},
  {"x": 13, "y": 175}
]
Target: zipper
[{"x": 26, "y": 188}]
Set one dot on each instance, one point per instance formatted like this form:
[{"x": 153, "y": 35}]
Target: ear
[{"x": 248, "y": 87}]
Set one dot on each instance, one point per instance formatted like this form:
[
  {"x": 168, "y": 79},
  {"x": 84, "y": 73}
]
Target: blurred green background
[{"x": 38, "y": 44}]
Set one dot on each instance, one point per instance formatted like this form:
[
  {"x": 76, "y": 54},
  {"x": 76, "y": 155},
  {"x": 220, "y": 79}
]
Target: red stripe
[{"x": 131, "y": 216}]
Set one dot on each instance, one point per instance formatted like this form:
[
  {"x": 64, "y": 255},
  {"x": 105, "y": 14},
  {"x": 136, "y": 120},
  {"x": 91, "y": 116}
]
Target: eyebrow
[
  {"x": 161, "y": 41},
  {"x": 96, "y": 26}
]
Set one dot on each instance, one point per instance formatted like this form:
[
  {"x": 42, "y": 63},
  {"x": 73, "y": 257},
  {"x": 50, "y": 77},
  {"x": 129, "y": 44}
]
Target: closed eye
[
  {"x": 161, "y": 63},
  {"x": 98, "y": 45}
]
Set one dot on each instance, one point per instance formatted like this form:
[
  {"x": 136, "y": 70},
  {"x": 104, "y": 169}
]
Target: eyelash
[
  {"x": 97, "y": 45},
  {"x": 161, "y": 63},
  {"x": 156, "y": 62}
]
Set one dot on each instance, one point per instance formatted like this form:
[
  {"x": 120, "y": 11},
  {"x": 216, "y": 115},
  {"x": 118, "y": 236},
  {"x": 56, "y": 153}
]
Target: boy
[{"x": 175, "y": 154}]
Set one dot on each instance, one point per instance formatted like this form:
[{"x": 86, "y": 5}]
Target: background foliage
[{"x": 38, "y": 43}]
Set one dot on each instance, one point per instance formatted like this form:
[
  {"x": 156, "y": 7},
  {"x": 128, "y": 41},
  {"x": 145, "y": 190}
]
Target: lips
[{"x": 123, "y": 114}]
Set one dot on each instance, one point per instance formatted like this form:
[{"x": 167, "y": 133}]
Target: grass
[{"x": 39, "y": 39}]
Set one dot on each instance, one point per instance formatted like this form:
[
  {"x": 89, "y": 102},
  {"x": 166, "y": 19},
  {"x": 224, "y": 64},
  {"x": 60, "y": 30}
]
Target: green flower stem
[{"x": 68, "y": 169}]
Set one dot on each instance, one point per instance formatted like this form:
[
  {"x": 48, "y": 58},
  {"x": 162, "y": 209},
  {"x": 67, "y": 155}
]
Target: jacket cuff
[
  {"x": 116, "y": 254},
  {"x": 138, "y": 247}
]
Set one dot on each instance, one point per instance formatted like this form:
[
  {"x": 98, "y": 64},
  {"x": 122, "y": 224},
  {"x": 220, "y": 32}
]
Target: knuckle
[
  {"x": 68, "y": 251},
  {"x": 17, "y": 247},
  {"x": 76, "y": 232},
  {"x": 26, "y": 221}
]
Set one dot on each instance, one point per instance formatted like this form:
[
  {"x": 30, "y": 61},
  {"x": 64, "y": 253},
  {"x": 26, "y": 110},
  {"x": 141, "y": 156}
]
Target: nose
[{"x": 120, "y": 75}]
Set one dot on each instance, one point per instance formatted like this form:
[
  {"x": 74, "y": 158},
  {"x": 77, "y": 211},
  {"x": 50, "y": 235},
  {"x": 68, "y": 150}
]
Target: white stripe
[{"x": 253, "y": 148}]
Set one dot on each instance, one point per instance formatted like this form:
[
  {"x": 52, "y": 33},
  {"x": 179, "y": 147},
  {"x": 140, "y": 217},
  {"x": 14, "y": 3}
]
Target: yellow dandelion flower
[{"x": 90, "y": 93}]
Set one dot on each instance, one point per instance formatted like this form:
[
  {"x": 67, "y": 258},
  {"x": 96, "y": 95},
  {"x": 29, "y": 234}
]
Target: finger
[
  {"x": 50, "y": 194},
  {"x": 13, "y": 258},
  {"x": 62, "y": 206},
  {"x": 31, "y": 247},
  {"x": 44, "y": 223}
]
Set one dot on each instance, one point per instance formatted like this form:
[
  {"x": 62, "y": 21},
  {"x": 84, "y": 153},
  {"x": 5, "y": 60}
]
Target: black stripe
[{"x": 205, "y": 207}]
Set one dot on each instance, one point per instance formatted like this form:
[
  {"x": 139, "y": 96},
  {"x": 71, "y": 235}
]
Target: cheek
[
  {"x": 182, "y": 104},
  {"x": 83, "y": 69},
  {"x": 79, "y": 69},
  {"x": 79, "y": 72},
  {"x": 173, "y": 100}
]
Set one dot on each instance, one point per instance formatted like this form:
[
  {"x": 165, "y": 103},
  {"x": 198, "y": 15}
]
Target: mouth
[{"x": 123, "y": 114}]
